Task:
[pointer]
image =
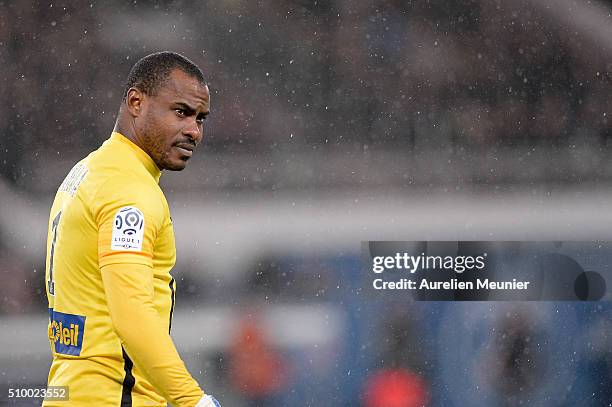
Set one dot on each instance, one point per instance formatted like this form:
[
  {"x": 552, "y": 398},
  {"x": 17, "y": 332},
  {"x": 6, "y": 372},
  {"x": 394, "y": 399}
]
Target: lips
[{"x": 185, "y": 149}]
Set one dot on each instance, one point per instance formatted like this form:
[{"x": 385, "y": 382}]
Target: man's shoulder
[
  {"x": 117, "y": 184},
  {"x": 113, "y": 177},
  {"x": 111, "y": 158},
  {"x": 112, "y": 169},
  {"x": 115, "y": 193}
]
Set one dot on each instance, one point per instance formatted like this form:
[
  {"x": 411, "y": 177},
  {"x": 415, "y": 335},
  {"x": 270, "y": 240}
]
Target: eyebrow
[{"x": 188, "y": 108}]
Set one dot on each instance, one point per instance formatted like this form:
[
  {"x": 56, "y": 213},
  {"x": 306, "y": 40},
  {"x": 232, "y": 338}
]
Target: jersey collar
[{"x": 142, "y": 156}]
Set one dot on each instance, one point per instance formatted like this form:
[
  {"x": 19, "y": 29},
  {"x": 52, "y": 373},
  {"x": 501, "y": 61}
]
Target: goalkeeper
[{"x": 110, "y": 249}]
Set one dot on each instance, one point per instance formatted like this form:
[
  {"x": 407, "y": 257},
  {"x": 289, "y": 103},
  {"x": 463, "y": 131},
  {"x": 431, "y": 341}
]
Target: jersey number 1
[{"x": 54, "y": 225}]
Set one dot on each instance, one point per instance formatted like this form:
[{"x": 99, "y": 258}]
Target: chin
[
  {"x": 176, "y": 166},
  {"x": 172, "y": 165}
]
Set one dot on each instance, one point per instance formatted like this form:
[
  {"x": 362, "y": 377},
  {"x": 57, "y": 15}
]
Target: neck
[{"x": 125, "y": 126}]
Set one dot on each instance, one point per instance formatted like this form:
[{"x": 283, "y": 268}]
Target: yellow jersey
[{"x": 110, "y": 249}]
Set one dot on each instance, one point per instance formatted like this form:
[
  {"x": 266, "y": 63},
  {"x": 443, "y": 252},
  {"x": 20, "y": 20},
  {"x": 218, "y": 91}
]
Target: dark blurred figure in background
[
  {"x": 512, "y": 366},
  {"x": 399, "y": 379},
  {"x": 257, "y": 370}
]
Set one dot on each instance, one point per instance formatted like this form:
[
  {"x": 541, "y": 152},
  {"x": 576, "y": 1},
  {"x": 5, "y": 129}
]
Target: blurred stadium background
[{"x": 332, "y": 122}]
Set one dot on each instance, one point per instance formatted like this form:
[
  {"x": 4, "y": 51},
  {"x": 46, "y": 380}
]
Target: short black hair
[{"x": 152, "y": 71}]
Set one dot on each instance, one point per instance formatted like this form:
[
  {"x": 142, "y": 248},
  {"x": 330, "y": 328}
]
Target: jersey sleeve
[
  {"x": 129, "y": 216},
  {"x": 144, "y": 335}
]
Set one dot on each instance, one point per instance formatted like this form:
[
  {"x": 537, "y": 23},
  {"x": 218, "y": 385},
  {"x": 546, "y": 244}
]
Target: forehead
[{"x": 182, "y": 87}]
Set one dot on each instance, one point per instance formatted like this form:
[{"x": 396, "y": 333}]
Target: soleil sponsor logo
[
  {"x": 65, "y": 336},
  {"x": 66, "y": 332}
]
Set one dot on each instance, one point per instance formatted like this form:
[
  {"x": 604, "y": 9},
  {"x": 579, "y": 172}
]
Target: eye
[
  {"x": 200, "y": 119},
  {"x": 181, "y": 112}
]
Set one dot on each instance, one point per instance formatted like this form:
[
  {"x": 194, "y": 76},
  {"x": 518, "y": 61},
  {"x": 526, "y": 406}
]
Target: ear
[{"x": 134, "y": 101}]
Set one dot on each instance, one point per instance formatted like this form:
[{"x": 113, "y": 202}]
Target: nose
[{"x": 193, "y": 131}]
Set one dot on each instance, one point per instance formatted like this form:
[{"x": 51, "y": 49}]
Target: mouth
[{"x": 184, "y": 150}]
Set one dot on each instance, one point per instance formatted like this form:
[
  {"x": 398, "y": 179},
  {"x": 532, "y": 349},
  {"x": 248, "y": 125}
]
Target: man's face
[{"x": 172, "y": 121}]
